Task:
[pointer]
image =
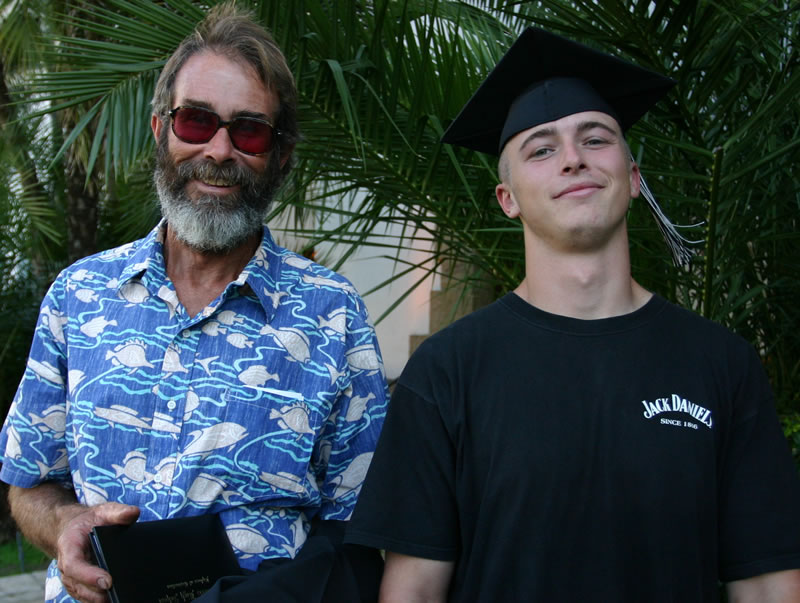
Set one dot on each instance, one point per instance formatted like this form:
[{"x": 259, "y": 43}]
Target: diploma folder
[{"x": 165, "y": 561}]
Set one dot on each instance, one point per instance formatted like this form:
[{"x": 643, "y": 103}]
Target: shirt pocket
[{"x": 272, "y": 461}]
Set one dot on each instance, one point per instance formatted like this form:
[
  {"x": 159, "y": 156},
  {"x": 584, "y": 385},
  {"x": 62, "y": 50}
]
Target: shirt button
[
  {"x": 171, "y": 405},
  {"x": 186, "y": 333},
  {"x": 157, "y": 478}
]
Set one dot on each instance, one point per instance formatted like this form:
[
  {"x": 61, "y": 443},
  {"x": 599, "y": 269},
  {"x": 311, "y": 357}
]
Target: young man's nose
[{"x": 572, "y": 158}]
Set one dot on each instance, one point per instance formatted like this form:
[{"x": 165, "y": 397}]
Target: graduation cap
[{"x": 544, "y": 77}]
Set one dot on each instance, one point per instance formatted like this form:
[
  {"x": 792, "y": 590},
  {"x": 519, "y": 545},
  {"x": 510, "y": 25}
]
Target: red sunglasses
[{"x": 249, "y": 135}]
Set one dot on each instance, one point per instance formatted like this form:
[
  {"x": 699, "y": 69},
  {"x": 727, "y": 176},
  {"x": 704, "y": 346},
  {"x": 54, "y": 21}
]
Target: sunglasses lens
[
  {"x": 196, "y": 126},
  {"x": 251, "y": 135},
  {"x": 193, "y": 125}
]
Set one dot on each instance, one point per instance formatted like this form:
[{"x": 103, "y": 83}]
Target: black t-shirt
[{"x": 635, "y": 458}]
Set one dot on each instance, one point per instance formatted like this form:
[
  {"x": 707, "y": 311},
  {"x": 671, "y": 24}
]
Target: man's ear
[
  {"x": 156, "y": 124},
  {"x": 506, "y": 200},
  {"x": 636, "y": 183},
  {"x": 285, "y": 155}
]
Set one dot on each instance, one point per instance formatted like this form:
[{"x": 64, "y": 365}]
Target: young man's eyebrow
[
  {"x": 540, "y": 133},
  {"x": 581, "y": 128},
  {"x": 590, "y": 125}
]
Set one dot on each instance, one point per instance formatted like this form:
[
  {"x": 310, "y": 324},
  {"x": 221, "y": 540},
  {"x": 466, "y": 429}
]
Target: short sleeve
[
  {"x": 760, "y": 489},
  {"x": 351, "y": 433},
  {"x": 32, "y": 442},
  {"x": 408, "y": 503}
]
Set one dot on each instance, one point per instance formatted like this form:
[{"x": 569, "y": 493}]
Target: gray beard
[
  {"x": 211, "y": 223},
  {"x": 207, "y": 225}
]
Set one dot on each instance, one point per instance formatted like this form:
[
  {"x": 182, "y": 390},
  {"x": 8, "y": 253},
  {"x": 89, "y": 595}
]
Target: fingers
[
  {"x": 82, "y": 579},
  {"x": 114, "y": 513},
  {"x": 85, "y": 582}
]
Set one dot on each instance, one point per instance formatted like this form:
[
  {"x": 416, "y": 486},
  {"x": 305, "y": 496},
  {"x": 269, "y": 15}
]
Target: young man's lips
[{"x": 583, "y": 188}]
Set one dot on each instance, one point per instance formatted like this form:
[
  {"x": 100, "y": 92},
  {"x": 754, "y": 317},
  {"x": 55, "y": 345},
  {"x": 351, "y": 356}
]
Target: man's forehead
[
  {"x": 222, "y": 84},
  {"x": 204, "y": 59}
]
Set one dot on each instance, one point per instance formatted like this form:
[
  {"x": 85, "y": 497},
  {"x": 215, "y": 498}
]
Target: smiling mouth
[
  {"x": 218, "y": 182},
  {"x": 580, "y": 188}
]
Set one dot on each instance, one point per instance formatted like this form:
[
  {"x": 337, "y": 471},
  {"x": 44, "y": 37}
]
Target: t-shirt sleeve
[
  {"x": 760, "y": 490},
  {"x": 408, "y": 503}
]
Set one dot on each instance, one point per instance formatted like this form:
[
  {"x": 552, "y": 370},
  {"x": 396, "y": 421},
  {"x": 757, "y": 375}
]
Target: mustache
[{"x": 208, "y": 170}]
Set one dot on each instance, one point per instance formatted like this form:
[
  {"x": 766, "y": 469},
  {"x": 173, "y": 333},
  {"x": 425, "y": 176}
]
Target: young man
[
  {"x": 202, "y": 369},
  {"x": 581, "y": 439}
]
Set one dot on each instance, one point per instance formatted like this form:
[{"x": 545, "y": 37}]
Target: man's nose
[{"x": 220, "y": 148}]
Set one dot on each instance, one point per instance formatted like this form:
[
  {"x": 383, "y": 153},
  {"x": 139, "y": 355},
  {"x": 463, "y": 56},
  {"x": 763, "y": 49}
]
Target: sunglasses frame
[{"x": 221, "y": 123}]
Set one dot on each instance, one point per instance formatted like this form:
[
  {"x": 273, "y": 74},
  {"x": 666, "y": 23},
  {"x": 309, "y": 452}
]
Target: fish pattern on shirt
[{"x": 264, "y": 408}]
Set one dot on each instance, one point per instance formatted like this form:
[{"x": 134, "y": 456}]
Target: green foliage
[
  {"x": 791, "y": 428},
  {"x": 378, "y": 82},
  {"x": 9, "y": 557}
]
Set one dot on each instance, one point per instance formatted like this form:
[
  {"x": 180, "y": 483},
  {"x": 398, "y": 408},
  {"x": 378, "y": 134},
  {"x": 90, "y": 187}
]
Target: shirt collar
[
  {"x": 147, "y": 256},
  {"x": 144, "y": 254},
  {"x": 264, "y": 267}
]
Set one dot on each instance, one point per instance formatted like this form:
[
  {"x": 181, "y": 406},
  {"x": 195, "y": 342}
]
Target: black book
[{"x": 166, "y": 561}]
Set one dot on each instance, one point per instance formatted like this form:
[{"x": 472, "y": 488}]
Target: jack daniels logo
[{"x": 677, "y": 404}]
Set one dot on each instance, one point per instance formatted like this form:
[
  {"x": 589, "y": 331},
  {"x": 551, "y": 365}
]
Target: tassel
[{"x": 678, "y": 244}]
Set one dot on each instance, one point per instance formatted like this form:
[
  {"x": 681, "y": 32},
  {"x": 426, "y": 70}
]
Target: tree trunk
[{"x": 82, "y": 203}]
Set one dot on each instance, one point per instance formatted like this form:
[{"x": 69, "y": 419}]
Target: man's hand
[
  {"x": 53, "y": 520},
  {"x": 81, "y": 578}
]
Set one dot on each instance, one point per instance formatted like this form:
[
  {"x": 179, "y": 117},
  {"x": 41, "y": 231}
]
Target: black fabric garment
[
  {"x": 635, "y": 458},
  {"x": 324, "y": 571}
]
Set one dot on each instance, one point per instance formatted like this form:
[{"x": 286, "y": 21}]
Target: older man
[
  {"x": 202, "y": 369},
  {"x": 581, "y": 439}
]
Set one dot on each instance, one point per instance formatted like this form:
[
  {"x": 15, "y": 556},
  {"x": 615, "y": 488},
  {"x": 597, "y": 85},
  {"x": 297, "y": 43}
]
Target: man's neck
[
  {"x": 199, "y": 278},
  {"x": 586, "y": 286}
]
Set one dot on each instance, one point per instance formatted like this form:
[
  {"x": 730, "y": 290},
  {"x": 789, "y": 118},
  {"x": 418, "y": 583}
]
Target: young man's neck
[{"x": 582, "y": 285}]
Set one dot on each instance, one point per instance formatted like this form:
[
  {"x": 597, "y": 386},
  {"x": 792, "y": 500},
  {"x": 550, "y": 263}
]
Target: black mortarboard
[{"x": 544, "y": 77}]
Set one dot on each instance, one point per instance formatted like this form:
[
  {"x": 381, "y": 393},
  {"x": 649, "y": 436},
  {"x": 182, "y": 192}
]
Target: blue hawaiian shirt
[{"x": 264, "y": 408}]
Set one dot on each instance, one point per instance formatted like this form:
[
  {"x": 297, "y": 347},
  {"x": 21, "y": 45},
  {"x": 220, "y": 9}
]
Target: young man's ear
[
  {"x": 506, "y": 200},
  {"x": 636, "y": 183}
]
